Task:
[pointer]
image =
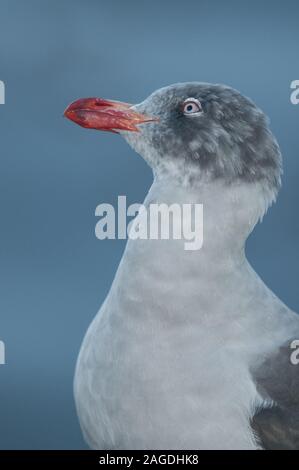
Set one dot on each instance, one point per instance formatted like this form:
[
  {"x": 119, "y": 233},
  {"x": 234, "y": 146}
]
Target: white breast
[{"x": 165, "y": 363}]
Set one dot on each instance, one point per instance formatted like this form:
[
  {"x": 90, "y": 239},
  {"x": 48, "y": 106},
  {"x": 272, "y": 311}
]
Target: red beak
[{"x": 104, "y": 115}]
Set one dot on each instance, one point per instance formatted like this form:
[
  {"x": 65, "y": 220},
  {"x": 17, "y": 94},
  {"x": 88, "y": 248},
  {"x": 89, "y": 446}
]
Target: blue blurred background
[{"x": 54, "y": 272}]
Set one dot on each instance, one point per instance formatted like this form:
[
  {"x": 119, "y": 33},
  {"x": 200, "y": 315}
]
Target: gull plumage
[{"x": 190, "y": 349}]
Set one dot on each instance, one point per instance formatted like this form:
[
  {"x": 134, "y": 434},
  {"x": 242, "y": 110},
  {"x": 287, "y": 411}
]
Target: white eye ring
[{"x": 192, "y": 107}]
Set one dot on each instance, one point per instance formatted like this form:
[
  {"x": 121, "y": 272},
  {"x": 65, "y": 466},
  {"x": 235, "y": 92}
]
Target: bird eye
[{"x": 192, "y": 106}]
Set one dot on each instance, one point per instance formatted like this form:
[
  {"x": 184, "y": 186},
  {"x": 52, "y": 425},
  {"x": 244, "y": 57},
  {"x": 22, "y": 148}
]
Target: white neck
[
  {"x": 157, "y": 273},
  {"x": 230, "y": 211}
]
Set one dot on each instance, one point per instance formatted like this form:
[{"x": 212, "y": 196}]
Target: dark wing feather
[{"x": 277, "y": 379}]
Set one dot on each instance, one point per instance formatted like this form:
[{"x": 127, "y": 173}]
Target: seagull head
[{"x": 192, "y": 132}]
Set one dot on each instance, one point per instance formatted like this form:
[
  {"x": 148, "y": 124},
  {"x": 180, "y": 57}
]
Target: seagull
[{"x": 190, "y": 349}]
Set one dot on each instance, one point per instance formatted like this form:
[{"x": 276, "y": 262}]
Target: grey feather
[
  {"x": 231, "y": 140},
  {"x": 277, "y": 379}
]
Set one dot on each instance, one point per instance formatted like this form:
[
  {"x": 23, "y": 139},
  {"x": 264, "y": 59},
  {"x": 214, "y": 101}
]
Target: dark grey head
[{"x": 205, "y": 130}]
